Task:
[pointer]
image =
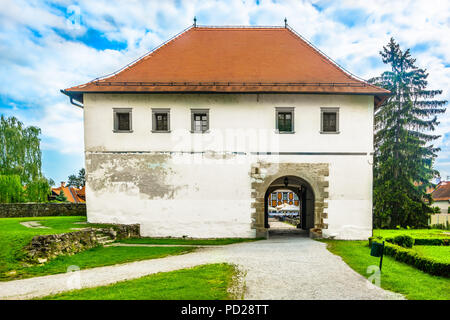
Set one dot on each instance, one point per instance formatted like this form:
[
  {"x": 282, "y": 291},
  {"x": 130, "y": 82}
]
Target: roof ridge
[{"x": 230, "y": 27}]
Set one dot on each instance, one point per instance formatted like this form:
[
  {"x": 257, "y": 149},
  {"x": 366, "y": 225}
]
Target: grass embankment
[
  {"x": 396, "y": 276},
  {"x": 14, "y": 236},
  {"x": 207, "y": 282},
  {"x": 222, "y": 241}
]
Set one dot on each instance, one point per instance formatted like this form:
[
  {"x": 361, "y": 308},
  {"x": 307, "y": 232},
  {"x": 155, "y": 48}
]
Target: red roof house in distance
[
  {"x": 441, "y": 196},
  {"x": 192, "y": 138},
  {"x": 72, "y": 194}
]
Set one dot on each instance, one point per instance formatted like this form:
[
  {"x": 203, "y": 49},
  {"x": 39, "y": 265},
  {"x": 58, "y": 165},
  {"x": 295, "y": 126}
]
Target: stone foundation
[{"x": 46, "y": 247}]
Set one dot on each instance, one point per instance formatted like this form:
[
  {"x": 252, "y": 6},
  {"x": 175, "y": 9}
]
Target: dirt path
[{"x": 279, "y": 268}]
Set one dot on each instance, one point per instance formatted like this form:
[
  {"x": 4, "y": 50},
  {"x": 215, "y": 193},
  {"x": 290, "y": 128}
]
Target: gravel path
[{"x": 278, "y": 268}]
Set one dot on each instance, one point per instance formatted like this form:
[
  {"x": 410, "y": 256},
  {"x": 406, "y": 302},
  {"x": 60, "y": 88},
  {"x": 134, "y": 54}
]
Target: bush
[
  {"x": 443, "y": 226},
  {"x": 375, "y": 239},
  {"x": 404, "y": 241},
  {"x": 432, "y": 242},
  {"x": 422, "y": 263},
  {"x": 11, "y": 189}
]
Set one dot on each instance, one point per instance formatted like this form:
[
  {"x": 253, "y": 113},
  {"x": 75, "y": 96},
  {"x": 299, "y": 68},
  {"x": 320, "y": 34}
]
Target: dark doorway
[{"x": 303, "y": 192}]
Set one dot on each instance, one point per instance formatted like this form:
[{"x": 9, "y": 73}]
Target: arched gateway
[
  {"x": 305, "y": 194},
  {"x": 307, "y": 180}
]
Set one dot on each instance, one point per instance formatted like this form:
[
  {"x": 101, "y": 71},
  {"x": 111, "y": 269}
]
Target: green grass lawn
[
  {"x": 14, "y": 236},
  {"x": 415, "y": 233},
  {"x": 437, "y": 253},
  {"x": 222, "y": 241},
  {"x": 207, "y": 282},
  {"x": 97, "y": 257},
  {"x": 396, "y": 276}
]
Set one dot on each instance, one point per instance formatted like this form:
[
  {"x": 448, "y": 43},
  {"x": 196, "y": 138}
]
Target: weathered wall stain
[{"x": 148, "y": 172}]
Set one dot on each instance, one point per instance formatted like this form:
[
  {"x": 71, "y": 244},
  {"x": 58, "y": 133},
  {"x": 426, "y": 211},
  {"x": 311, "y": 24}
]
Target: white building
[
  {"x": 441, "y": 199},
  {"x": 192, "y": 138}
]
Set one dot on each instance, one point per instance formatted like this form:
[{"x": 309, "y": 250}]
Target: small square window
[
  {"x": 199, "y": 120},
  {"x": 160, "y": 120},
  {"x": 285, "y": 120},
  {"x": 329, "y": 120},
  {"x": 122, "y": 120}
]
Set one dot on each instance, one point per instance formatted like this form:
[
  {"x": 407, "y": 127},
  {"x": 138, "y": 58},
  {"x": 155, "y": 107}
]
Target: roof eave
[{"x": 74, "y": 96}]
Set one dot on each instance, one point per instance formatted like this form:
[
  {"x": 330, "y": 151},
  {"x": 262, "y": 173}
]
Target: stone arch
[{"x": 263, "y": 174}]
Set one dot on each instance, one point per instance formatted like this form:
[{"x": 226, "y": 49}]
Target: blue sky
[{"x": 49, "y": 45}]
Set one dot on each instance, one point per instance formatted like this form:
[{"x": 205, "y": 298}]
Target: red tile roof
[
  {"x": 442, "y": 191},
  {"x": 243, "y": 59},
  {"x": 72, "y": 194}
]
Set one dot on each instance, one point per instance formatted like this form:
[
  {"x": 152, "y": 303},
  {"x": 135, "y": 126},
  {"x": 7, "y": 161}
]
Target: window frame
[
  {"x": 199, "y": 111},
  {"x": 116, "y": 111},
  {"x": 290, "y": 110},
  {"x": 155, "y": 112},
  {"x": 329, "y": 110}
]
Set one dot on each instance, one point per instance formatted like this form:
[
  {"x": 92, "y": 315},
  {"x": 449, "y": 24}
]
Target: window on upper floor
[
  {"x": 122, "y": 119},
  {"x": 284, "y": 120},
  {"x": 329, "y": 120},
  {"x": 199, "y": 120},
  {"x": 160, "y": 120}
]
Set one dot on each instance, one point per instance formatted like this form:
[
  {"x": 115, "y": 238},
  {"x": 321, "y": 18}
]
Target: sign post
[{"x": 377, "y": 250}]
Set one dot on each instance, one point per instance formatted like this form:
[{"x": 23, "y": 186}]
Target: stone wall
[
  {"x": 45, "y": 247},
  {"x": 12, "y": 210},
  {"x": 315, "y": 174}
]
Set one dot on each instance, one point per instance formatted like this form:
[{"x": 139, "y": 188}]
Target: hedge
[
  {"x": 422, "y": 263},
  {"x": 412, "y": 258},
  {"x": 432, "y": 242},
  {"x": 404, "y": 241},
  {"x": 417, "y": 242}
]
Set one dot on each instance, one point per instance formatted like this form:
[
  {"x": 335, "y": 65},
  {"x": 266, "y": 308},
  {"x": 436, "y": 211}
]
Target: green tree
[
  {"x": 404, "y": 153},
  {"x": 61, "y": 196},
  {"x": 77, "y": 181},
  {"x": 20, "y": 158},
  {"x": 11, "y": 189}
]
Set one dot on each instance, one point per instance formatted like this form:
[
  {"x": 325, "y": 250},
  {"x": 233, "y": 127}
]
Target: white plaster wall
[
  {"x": 442, "y": 205},
  {"x": 238, "y": 122},
  {"x": 213, "y": 199}
]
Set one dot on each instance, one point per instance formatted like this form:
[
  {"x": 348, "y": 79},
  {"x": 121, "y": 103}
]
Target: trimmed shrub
[
  {"x": 375, "y": 239},
  {"x": 422, "y": 263},
  {"x": 404, "y": 241},
  {"x": 432, "y": 242}
]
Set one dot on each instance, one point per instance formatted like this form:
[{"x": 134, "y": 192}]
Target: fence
[{"x": 439, "y": 218}]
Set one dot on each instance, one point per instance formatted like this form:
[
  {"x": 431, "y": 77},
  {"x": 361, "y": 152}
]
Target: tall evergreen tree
[
  {"x": 404, "y": 153},
  {"x": 61, "y": 196}
]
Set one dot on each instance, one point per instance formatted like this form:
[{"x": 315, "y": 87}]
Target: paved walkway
[{"x": 279, "y": 268}]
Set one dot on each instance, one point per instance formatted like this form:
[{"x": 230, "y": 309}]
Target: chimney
[{"x": 63, "y": 184}]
